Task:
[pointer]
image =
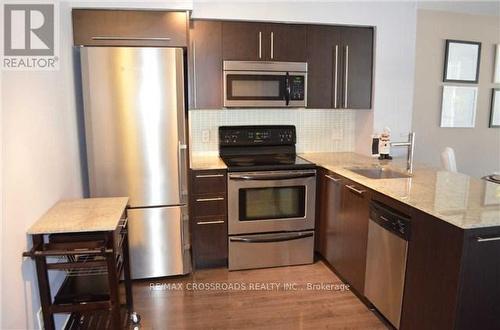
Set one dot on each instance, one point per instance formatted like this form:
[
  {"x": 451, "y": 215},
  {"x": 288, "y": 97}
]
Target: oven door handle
[
  {"x": 271, "y": 238},
  {"x": 271, "y": 176}
]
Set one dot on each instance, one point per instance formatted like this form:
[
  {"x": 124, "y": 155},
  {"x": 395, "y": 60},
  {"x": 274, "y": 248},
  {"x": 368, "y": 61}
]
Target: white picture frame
[
  {"x": 496, "y": 73},
  {"x": 462, "y": 59},
  {"x": 458, "y": 107},
  {"x": 495, "y": 108}
]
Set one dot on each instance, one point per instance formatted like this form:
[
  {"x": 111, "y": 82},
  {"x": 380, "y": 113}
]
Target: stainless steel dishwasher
[{"x": 388, "y": 235}]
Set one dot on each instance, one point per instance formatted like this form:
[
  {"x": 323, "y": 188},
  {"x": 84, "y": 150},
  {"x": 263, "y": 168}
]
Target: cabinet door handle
[
  {"x": 272, "y": 45},
  {"x": 335, "y": 91},
  {"x": 210, "y": 199},
  {"x": 260, "y": 45},
  {"x": 332, "y": 178},
  {"x": 209, "y": 175},
  {"x": 130, "y": 38},
  {"x": 346, "y": 75},
  {"x": 489, "y": 239},
  {"x": 194, "y": 74},
  {"x": 357, "y": 191},
  {"x": 209, "y": 222}
]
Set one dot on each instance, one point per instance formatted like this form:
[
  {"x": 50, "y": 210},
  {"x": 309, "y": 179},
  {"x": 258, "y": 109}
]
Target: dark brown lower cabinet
[
  {"x": 354, "y": 231},
  {"x": 432, "y": 273},
  {"x": 209, "y": 243},
  {"x": 342, "y": 231},
  {"x": 452, "y": 276},
  {"x": 328, "y": 225},
  {"x": 479, "y": 297},
  {"x": 208, "y": 218}
]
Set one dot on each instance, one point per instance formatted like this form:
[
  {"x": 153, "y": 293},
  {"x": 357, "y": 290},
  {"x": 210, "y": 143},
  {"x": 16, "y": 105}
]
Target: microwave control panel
[
  {"x": 297, "y": 88},
  {"x": 256, "y": 135}
]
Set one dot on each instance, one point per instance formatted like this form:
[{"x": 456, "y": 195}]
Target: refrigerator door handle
[{"x": 181, "y": 157}]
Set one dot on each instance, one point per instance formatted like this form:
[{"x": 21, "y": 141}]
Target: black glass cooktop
[
  {"x": 260, "y": 148},
  {"x": 266, "y": 162}
]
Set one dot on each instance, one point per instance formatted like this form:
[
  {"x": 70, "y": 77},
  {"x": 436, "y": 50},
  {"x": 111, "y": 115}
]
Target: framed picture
[
  {"x": 458, "y": 108},
  {"x": 496, "y": 74},
  {"x": 461, "y": 62},
  {"x": 495, "y": 108}
]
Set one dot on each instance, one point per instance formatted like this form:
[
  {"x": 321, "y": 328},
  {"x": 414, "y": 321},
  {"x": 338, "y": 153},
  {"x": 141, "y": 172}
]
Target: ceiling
[{"x": 478, "y": 7}]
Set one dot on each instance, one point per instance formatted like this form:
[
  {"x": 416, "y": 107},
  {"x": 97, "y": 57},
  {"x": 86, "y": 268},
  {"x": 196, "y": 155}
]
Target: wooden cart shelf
[
  {"x": 95, "y": 320},
  {"x": 93, "y": 263}
]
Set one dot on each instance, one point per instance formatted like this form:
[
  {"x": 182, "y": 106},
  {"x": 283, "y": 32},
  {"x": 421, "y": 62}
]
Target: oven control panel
[{"x": 256, "y": 135}]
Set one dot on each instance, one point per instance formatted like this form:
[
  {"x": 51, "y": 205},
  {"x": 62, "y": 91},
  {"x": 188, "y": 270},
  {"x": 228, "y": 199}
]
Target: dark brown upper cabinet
[
  {"x": 205, "y": 63},
  {"x": 96, "y": 27},
  {"x": 358, "y": 67},
  {"x": 340, "y": 63},
  {"x": 287, "y": 42},
  {"x": 323, "y": 66},
  {"x": 245, "y": 41}
]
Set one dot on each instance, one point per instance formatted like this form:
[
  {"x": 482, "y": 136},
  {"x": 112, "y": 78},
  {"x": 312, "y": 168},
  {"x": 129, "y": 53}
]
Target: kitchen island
[{"x": 453, "y": 252}]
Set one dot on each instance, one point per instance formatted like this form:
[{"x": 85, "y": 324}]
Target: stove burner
[{"x": 240, "y": 152}]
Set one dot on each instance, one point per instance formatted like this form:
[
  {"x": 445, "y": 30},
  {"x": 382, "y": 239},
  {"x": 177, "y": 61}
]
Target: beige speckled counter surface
[
  {"x": 206, "y": 161},
  {"x": 81, "y": 215},
  {"x": 456, "y": 198}
]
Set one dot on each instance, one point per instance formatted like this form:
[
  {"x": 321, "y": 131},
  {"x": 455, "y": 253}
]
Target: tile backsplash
[{"x": 318, "y": 130}]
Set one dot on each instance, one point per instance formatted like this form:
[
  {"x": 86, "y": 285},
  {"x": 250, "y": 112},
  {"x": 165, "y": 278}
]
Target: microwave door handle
[{"x": 287, "y": 89}]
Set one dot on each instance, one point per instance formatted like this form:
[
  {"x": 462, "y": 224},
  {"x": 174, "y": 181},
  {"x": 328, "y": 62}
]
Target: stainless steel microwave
[{"x": 250, "y": 84}]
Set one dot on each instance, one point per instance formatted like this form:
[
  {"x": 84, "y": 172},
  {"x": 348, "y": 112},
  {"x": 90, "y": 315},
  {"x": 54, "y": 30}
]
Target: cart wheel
[{"x": 135, "y": 318}]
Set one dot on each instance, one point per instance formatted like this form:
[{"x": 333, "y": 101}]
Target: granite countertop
[
  {"x": 81, "y": 215},
  {"x": 206, "y": 161},
  {"x": 456, "y": 198}
]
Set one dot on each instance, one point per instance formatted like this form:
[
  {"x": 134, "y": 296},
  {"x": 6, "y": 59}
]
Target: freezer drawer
[
  {"x": 158, "y": 239},
  {"x": 271, "y": 250}
]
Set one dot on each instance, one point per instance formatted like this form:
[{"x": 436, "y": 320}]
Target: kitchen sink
[{"x": 378, "y": 172}]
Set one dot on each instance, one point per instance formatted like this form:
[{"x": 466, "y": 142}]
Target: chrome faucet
[{"x": 411, "y": 146}]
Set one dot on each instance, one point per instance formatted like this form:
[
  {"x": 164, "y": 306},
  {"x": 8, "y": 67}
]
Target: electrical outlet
[
  {"x": 39, "y": 318},
  {"x": 205, "y": 136}
]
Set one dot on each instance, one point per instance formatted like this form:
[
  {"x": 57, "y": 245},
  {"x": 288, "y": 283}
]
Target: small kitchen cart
[{"x": 94, "y": 256}]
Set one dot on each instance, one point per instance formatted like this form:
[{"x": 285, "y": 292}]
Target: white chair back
[{"x": 448, "y": 159}]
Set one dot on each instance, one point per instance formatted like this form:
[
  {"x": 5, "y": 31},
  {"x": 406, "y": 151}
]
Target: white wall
[
  {"x": 394, "y": 50},
  {"x": 1, "y": 197},
  {"x": 41, "y": 165},
  {"x": 477, "y": 149}
]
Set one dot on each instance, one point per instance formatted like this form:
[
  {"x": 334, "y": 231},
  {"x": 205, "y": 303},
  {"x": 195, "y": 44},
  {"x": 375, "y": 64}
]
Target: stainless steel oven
[
  {"x": 265, "y": 84},
  {"x": 271, "y": 218},
  {"x": 271, "y": 201}
]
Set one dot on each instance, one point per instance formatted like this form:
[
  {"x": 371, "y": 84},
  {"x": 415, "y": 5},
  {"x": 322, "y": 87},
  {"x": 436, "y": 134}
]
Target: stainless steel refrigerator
[{"x": 136, "y": 146}]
